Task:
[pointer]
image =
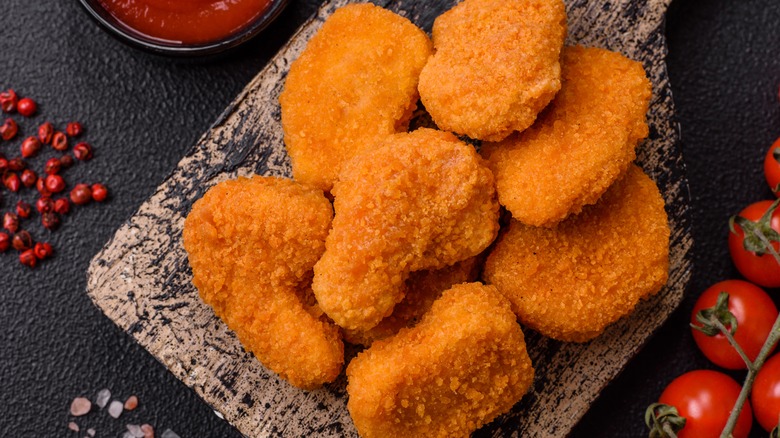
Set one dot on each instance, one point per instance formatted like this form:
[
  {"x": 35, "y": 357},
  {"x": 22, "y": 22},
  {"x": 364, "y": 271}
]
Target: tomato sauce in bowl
[
  {"x": 184, "y": 27},
  {"x": 186, "y": 21}
]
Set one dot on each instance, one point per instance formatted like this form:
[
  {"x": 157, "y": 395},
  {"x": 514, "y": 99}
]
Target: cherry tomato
[
  {"x": 764, "y": 269},
  {"x": 755, "y": 312},
  {"x": 772, "y": 167},
  {"x": 705, "y": 398},
  {"x": 766, "y": 394}
]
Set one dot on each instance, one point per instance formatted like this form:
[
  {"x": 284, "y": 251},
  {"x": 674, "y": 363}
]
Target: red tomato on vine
[
  {"x": 755, "y": 313},
  {"x": 754, "y": 241},
  {"x": 772, "y": 167},
  {"x": 766, "y": 394},
  {"x": 705, "y": 399}
]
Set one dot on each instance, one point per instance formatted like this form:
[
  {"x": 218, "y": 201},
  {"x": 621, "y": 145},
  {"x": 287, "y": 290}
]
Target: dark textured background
[{"x": 143, "y": 113}]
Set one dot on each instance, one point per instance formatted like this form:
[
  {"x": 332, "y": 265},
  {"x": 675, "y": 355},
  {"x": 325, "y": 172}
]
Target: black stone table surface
[{"x": 143, "y": 112}]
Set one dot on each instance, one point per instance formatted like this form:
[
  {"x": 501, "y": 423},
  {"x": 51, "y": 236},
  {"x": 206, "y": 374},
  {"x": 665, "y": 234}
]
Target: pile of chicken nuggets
[{"x": 392, "y": 240}]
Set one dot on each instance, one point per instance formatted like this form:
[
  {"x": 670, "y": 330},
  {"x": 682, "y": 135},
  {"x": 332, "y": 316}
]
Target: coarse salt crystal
[
  {"x": 102, "y": 398},
  {"x": 169, "y": 434},
  {"x": 115, "y": 408},
  {"x": 131, "y": 403},
  {"x": 135, "y": 430},
  {"x": 148, "y": 430},
  {"x": 91, "y": 432},
  {"x": 80, "y": 406},
  {"x": 73, "y": 426},
  {"x": 127, "y": 435}
]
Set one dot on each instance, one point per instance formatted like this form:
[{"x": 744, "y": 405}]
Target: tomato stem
[
  {"x": 664, "y": 421},
  {"x": 753, "y": 369},
  {"x": 727, "y": 333},
  {"x": 768, "y": 245},
  {"x": 669, "y": 431}
]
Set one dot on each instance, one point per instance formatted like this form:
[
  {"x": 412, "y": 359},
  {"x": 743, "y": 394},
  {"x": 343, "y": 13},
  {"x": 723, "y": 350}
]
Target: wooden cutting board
[{"x": 141, "y": 279}]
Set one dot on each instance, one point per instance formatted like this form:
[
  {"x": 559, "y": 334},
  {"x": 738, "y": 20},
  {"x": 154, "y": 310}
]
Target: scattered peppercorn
[
  {"x": 8, "y": 101},
  {"x": 44, "y": 205},
  {"x": 81, "y": 194},
  {"x": 82, "y": 151},
  {"x": 50, "y": 220},
  {"x": 55, "y": 183},
  {"x": 28, "y": 258},
  {"x": 66, "y": 161},
  {"x": 30, "y": 147},
  {"x": 22, "y": 241},
  {"x": 29, "y": 178},
  {"x": 40, "y": 185},
  {"x": 43, "y": 250},
  {"x": 53, "y": 166},
  {"x": 16, "y": 164},
  {"x": 11, "y": 222},
  {"x": 46, "y": 133},
  {"x": 62, "y": 206},
  {"x": 5, "y": 242},
  {"x": 74, "y": 129},
  {"x": 99, "y": 192},
  {"x": 23, "y": 209},
  {"x": 59, "y": 141},
  {"x": 11, "y": 181},
  {"x": 15, "y": 174},
  {"x": 9, "y": 129},
  {"x": 27, "y": 107}
]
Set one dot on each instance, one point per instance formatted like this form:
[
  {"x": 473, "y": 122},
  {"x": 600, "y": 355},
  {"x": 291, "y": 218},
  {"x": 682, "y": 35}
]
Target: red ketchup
[{"x": 185, "y": 21}]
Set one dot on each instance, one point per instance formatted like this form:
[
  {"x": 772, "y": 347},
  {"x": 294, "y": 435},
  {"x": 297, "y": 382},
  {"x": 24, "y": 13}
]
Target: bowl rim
[{"x": 119, "y": 31}]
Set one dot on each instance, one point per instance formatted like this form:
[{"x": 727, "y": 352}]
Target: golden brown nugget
[
  {"x": 252, "y": 243},
  {"x": 354, "y": 84},
  {"x": 496, "y": 65},
  {"x": 571, "y": 281},
  {"x": 462, "y": 366},
  {"x": 422, "y": 289},
  {"x": 580, "y": 145},
  {"x": 422, "y": 200}
]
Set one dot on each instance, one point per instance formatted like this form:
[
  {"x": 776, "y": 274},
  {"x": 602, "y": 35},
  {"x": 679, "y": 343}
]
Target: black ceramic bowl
[{"x": 135, "y": 39}]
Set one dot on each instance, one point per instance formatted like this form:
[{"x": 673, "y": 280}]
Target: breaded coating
[
  {"x": 422, "y": 200},
  {"x": 423, "y": 288},
  {"x": 571, "y": 281},
  {"x": 461, "y": 367},
  {"x": 496, "y": 65},
  {"x": 353, "y": 85},
  {"x": 252, "y": 243},
  {"x": 580, "y": 145}
]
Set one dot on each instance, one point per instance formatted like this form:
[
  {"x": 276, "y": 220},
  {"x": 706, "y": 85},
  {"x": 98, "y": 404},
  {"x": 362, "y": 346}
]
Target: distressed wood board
[{"x": 141, "y": 279}]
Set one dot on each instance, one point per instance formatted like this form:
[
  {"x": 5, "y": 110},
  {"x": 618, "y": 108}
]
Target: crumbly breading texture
[
  {"x": 463, "y": 365},
  {"x": 423, "y": 288},
  {"x": 580, "y": 145},
  {"x": 252, "y": 243},
  {"x": 571, "y": 281},
  {"x": 422, "y": 200},
  {"x": 354, "y": 84},
  {"x": 495, "y": 67}
]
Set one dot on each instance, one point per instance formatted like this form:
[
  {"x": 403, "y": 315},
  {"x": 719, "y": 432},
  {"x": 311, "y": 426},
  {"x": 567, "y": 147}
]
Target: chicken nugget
[
  {"x": 423, "y": 288},
  {"x": 354, "y": 84},
  {"x": 462, "y": 366},
  {"x": 422, "y": 200},
  {"x": 252, "y": 243},
  {"x": 571, "y": 281},
  {"x": 580, "y": 145},
  {"x": 496, "y": 65}
]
